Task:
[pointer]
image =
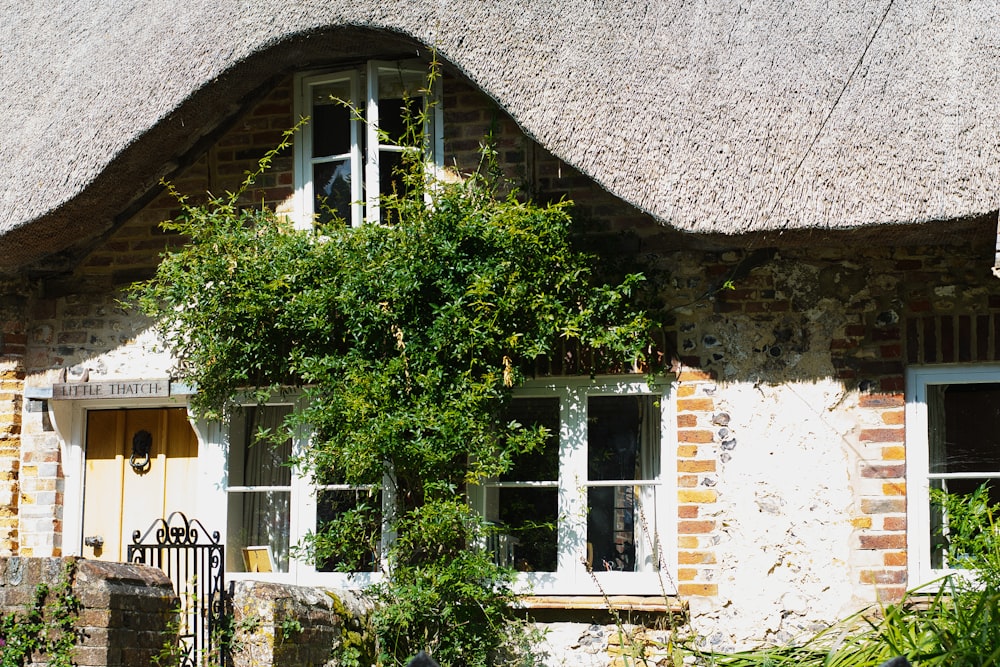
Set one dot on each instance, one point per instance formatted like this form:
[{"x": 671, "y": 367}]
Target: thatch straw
[{"x": 718, "y": 117}]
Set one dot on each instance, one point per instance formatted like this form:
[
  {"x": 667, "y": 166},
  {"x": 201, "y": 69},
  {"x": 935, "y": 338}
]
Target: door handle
[{"x": 95, "y": 541}]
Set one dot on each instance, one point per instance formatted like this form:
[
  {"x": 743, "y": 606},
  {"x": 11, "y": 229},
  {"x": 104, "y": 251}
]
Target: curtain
[
  {"x": 648, "y": 464},
  {"x": 266, "y": 513}
]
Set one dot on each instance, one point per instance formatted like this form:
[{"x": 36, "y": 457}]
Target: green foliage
[
  {"x": 970, "y": 539},
  {"x": 407, "y": 340},
  {"x": 46, "y": 628}
]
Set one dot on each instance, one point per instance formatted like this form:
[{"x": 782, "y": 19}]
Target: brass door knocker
[{"x": 142, "y": 443}]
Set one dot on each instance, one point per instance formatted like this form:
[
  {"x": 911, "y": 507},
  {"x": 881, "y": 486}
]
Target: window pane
[
  {"x": 332, "y": 189},
  {"x": 621, "y": 533},
  {"x": 389, "y": 176},
  {"x": 964, "y": 421},
  {"x": 623, "y": 437},
  {"x": 259, "y": 519},
  {"x": 527, "y": 534},
  {"x": 331, "y": 121},
  {"x": 399, "y": 93},
  {"x": 938, "y": 527},
  {"x": 543, "y": 464},
  {"x": 358, "y": 517}
]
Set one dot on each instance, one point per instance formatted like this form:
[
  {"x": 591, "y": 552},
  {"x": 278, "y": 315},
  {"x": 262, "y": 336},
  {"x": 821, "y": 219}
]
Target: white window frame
[
  {"x": 918, "y": 475},
  {"x": 364, "y": 86},
  {"x": 303, "y": 507},
  {"x": 571, "y": 576}
]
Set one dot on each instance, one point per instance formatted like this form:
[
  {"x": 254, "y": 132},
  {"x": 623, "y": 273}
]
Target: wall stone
[
  {"x": 289, "y": 626},
  {"x": 125, "y": 611}
]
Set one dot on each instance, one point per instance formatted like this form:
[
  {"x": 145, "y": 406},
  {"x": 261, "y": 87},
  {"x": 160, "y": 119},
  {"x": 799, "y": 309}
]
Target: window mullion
[
  {"x": 372, "y": 184},
  {"x": 572, "y": 484},
  {"x": 357, "y": 161}
]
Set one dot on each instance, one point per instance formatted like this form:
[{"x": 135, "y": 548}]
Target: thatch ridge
[{"x": 719, "y": 118}]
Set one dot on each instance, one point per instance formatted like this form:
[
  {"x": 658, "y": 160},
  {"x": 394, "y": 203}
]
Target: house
[{"x": 812, "y": 184}]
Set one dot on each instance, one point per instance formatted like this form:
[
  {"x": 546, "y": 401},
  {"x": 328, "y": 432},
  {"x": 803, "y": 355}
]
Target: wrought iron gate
[{"x": 196, "y": 570}]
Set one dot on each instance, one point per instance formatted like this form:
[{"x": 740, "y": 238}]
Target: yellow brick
[
  {"x": 687, "y": 542},
  {"x": 894, "y": 488},
  {"x": 894, "y": 453},
  {"x": 696, "y": 466},
  {"x": 894, "y": 417},
  {"x": 687, "y": 451},
  {"x": 697, "y": 496},
  {"x": 698, "y": 590},
  {"x": 862, "y": 522},
  {"x": 695, "y": 557},
  {"x": 684, "y": 391},
  {"x": 695, "y": 405}
]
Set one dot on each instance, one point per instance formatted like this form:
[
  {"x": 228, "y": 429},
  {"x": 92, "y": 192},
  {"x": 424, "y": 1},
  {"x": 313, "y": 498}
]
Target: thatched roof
[{"x": 722, "y": 117}]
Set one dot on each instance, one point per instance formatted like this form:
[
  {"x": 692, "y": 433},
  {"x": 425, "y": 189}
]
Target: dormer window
[{"x": 350, "y": 151}]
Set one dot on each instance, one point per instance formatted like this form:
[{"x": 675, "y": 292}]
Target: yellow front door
[{"x": 122, "y": 490}]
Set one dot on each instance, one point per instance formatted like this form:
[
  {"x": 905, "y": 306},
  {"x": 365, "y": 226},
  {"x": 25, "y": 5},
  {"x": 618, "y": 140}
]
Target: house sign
[{"x": 113, "y": 389}]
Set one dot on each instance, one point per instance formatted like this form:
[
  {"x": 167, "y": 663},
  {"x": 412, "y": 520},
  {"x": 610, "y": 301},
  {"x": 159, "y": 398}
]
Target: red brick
[
  {"x": 894, "y": 523},
  {"x": 695, "y": 527},
  {"x": 895, "y": 471},
  {"x": 896, "y": 383},
  {"x": 698, "y": 436},
  {"x": 883, "y": 435},
  {"x": 687, "y": 421},
  {"x": 882, "y": 401},
  {"x": 894, "y": 541}
]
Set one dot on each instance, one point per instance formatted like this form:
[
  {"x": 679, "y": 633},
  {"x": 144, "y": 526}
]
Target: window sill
[{"x": 643, "y": 603}]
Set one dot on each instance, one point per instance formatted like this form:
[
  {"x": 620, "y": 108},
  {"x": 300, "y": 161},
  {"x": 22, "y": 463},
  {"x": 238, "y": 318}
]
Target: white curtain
[
  {"x": 648, "y": 463},
  {"x": 266, "y": 513}
]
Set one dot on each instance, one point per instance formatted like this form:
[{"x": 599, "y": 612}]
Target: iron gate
[{"x": 196, "y": 569}]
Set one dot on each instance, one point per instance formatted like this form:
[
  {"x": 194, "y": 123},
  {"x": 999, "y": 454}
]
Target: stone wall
[
  {"x": 289, "y": 626},
  {"x": 125, "y": 611}
]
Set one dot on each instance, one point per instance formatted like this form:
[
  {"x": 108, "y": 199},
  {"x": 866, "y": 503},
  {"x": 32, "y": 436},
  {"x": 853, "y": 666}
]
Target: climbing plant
[
  {"x": 407, "y": 340},
  {"x": 46, "y": 627}
]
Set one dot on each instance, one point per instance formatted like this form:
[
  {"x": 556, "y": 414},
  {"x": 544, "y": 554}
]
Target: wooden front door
[{"x": 123, "y": 493}]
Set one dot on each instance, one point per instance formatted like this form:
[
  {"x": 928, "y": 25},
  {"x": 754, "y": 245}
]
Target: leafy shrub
[{"x": 407, "y": 340}]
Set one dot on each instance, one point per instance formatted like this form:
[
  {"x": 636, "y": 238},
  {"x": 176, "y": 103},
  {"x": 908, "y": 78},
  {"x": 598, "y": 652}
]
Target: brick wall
[
  {"x": 124, "y": 614},
  {"x": 698, "y": 450},
  {"x": 13, "y": 340}
]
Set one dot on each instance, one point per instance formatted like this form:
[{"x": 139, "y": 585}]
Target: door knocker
[{"x": 142, "y": 442}]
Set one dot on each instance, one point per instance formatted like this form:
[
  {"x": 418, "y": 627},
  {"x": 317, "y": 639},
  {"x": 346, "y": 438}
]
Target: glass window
[
  {"x": 259, "y": 493},
  {"x": 272, "y": 506},
  {"x": 952, "y": 422},
  {"x": 623, "y": 464},
  {"x": 964, "y": 447},
  {"x": 524, "y": 502},
  {"x": 588, "y": 512},
  {"x": 352, "y": 148}
]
